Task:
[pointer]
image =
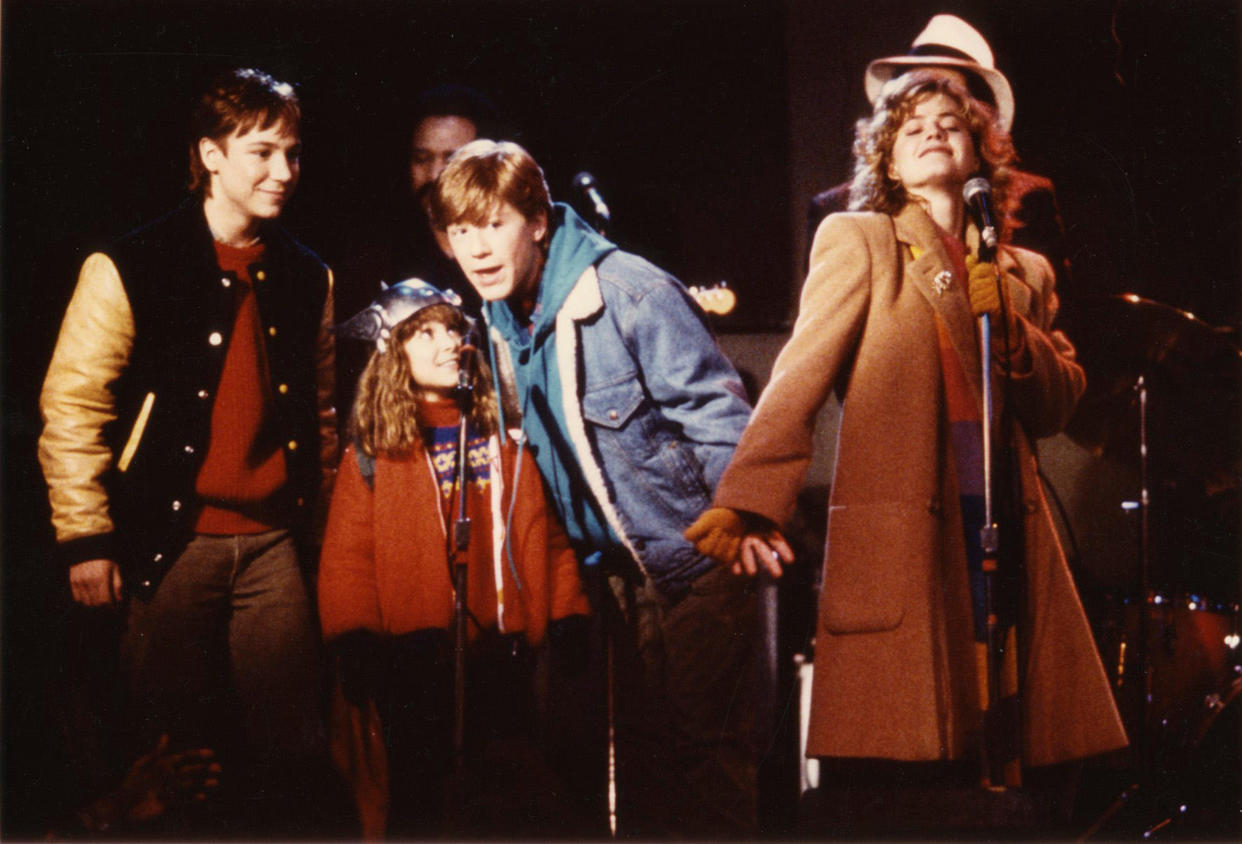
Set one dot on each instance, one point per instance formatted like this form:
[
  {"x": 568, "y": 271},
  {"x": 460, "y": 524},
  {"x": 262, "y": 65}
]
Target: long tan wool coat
[{"x": 895, "y": 670}]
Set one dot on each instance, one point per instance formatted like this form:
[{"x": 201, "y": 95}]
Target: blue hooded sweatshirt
[{"x": 574, "y": 247}]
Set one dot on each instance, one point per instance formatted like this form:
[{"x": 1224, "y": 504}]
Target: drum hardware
[
  {"x": 1194, "y": 792},
  {"x": 1162, "y": 389},
  {"x": 1123, "y": 799},
  {"x": 1183, "y": 377},
  {"x": 1193, "y": 367},
  {"x": 1201, "y": 791}
]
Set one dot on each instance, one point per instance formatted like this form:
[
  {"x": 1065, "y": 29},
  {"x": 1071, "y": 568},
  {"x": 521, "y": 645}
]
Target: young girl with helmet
[{"x": 386, "y": 586}]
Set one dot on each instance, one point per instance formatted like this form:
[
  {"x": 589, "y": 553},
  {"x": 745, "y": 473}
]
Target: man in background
[{"x": 403, "y": 244}]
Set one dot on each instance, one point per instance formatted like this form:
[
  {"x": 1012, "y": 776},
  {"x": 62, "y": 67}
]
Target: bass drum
[
  {"x": 1190, "y": 786},
  {"x": 1193, "y": 653}
]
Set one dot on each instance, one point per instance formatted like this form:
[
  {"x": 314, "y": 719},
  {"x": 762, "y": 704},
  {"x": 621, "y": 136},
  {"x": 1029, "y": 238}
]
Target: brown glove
[
  {"x": 717, "y": 533},
  {"x": 986, "y": 289}
]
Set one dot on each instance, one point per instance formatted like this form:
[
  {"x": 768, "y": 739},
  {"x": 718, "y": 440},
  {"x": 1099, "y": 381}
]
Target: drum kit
[{"x": 1163, "y": 396}]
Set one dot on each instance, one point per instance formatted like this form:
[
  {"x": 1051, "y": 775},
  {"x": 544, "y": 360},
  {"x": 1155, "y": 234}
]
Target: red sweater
[
  {"x": 243, "y": 472},
  {"x": 384, "y": 566}
]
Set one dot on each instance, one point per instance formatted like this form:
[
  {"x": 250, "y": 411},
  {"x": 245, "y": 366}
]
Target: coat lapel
[{"x": 928, "y": 271}]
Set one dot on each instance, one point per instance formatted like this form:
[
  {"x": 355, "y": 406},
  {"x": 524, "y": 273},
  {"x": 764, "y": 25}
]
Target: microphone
[
  {"x": 585, "y": 183},
  {"x": 978, "y": 196},
  {"x": 465, "y": 361}
]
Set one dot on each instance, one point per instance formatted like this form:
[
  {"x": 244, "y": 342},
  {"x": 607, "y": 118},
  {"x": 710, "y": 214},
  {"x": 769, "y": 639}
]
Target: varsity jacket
[{"x": 128, "y": 396}]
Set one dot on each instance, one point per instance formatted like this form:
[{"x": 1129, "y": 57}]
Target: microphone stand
[
  {"x": 989, "y": 540},
  {"x": 1142, "y": 657},
  {"x": 464, "y": 395},
  {"x": 600, "y": 219}
]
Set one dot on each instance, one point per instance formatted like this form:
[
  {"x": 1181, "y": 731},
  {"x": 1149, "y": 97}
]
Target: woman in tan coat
[{"x": 888, "y": 323}]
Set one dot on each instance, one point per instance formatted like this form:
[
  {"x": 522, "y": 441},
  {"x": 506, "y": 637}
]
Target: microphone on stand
[
  {"x": 585, "y": 184},
  {"x": 466, "y": 357},
  {"x": 464, "y": 392},
  {"x": 978, "y": 196}
]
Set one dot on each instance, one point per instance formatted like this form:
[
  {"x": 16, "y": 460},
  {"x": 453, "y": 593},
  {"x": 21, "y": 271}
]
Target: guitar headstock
[{"x": 717, "y": 299}]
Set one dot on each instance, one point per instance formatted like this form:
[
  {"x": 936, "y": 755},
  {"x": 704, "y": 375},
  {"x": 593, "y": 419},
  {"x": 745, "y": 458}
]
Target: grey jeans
[{"x": 225, "y": 654}]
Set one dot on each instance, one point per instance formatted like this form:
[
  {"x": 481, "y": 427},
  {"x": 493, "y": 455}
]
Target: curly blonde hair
[
  {"x": 873, "y": 189},
  {"x": 385, "y": 419}
]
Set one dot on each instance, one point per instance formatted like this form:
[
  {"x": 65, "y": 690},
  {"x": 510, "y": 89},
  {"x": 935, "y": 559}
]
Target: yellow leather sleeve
[{"x": 92, "y": 349}]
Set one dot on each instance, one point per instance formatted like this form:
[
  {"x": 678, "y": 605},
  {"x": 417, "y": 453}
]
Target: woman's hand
[
  {"x": 763, "y": 551},
  {"x": 989, "y": 294},
  {"x": 984, "y": 288}
]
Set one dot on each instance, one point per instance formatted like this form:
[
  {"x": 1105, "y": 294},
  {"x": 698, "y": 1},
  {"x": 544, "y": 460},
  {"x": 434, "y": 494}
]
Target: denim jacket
[{"x": 652, "y": 406}]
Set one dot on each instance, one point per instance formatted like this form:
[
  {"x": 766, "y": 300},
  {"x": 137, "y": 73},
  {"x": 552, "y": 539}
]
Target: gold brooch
[{"x": 942, "y": 281}]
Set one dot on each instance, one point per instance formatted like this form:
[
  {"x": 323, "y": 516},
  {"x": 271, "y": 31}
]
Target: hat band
[
  {"x": 975, "y": 83},
  {"x": 942, "y": 51}
]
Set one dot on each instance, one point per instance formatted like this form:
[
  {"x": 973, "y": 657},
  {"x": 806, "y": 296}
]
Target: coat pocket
[
  {"x": 875, "y": 555},
  {"x": 135, "y": 433}
]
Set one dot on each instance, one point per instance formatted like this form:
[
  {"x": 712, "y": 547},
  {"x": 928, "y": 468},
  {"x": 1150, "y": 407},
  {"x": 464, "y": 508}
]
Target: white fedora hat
[{"x": 947, "y": 41}]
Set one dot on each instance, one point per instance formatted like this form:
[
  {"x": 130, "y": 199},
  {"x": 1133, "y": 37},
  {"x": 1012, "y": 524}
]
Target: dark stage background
[{"x": 708, "y": 125}]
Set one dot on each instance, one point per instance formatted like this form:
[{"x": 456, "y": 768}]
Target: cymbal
[{"x": 1191, "y": 372}]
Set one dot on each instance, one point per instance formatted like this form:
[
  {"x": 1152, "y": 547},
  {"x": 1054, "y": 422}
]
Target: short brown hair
[
  {"x": 873, "y": 189},
  {"x": 483, "y": 173},
  {"x": 238, "y": 101},
  {"x": 385, "y": 420}
]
